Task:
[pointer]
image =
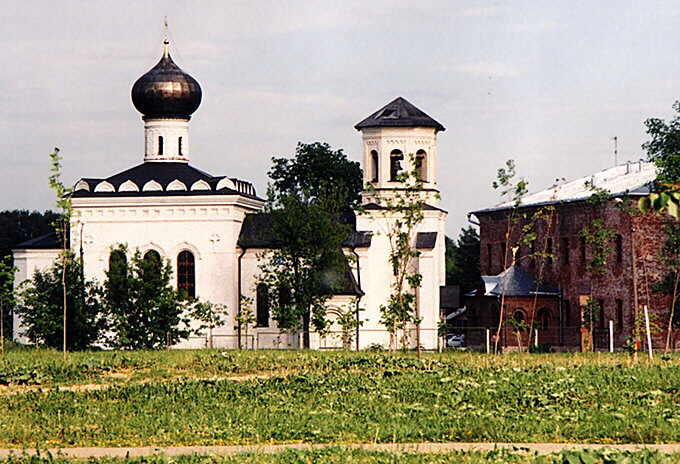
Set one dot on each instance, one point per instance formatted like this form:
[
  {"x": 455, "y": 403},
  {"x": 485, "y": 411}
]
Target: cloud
[{"x": 488, "y": 69}]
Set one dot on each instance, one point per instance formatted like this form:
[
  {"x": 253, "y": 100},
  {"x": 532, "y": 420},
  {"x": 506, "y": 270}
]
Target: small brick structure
[{"x": 630, "y": 270}]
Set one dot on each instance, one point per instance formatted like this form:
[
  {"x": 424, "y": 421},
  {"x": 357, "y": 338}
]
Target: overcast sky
[{"x": 547, "y": 83}]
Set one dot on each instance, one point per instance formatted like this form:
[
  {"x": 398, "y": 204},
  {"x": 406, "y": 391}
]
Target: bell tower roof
[{"x": 399, "y": 113}]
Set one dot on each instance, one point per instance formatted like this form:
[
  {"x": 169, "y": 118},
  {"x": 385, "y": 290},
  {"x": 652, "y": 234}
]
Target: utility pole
[{"x": 616, "y": 150}]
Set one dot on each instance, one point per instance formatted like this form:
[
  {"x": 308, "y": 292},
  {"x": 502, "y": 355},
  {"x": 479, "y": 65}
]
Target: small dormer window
[
  {"x": 160, "y": 145},
  {"x": 179, "y": 146},
  {"x": 396, "y": 158},
  {"x": 374, "y": 166}
]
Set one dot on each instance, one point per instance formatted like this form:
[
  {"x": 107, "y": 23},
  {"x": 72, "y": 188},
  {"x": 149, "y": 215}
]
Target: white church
[{"x": 211, "y": 229}]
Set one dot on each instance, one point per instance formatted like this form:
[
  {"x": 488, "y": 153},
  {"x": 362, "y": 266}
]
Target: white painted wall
[{"x": 27, "y": 263}]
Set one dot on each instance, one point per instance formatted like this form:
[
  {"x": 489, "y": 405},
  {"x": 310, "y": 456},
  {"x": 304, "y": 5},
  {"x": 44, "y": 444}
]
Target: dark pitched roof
[
  {"x": 44, "y": 242},
  {"x": 164, "y": 173},
  {"x": 399, "y": 113},
  {"x": 515, "y": 281},
  {"x": 256, "y": 232},
  {"x": 426, "y": 240}
]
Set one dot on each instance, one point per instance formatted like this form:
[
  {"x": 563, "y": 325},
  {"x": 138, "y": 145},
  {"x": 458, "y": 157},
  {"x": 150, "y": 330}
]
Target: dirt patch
[{"x": 79, "y": 388}]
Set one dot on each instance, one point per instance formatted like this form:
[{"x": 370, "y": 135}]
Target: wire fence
[{"x": 482, "y": 339}]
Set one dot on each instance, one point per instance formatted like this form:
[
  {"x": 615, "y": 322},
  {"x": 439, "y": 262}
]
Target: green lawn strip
[
  {"x": 48, "y": 367},
  {"x": 337, "y": 455},
  {"x": 405, "y": 403}
]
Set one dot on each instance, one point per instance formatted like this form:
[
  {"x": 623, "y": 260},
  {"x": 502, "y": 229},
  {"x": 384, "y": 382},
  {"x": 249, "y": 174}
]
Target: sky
[{"x": 546, "y": 83}]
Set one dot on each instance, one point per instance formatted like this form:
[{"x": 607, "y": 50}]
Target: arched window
[
  {"x": 374, "y": 166},
  {"x": 396, "y": 158},
  {"x": 262, "y": 305},
  {"x": 160, "y": 145},
  {"x": 179, "y": 146},
  {"x": 152, "y": 266},
  {"x": 519, "y": 319},
  {"x": 186, "y": 274},
  {"x": 118, "y": 261},
  {"x": 421, "y": 165},
  {"x": 544, "y": 318}
]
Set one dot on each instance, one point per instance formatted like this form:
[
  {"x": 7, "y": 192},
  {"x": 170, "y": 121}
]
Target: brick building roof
[{"x": 626, "y": 179}]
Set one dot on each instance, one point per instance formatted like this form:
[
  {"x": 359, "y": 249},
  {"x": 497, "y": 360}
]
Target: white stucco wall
[
  {"x": 27, "y": 263},
  {"x": 207, "y": 226}
]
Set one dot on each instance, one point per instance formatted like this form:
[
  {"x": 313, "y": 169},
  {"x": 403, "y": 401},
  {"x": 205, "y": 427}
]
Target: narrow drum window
[
  {"x": 421, "y": 165},
  {"x": 262, "y": 316},
  {"x": 619, "y": 314},
  {"x": 179, "y": 146},
  {"x": 619, "y": 248},
  {"x": 396, "y": 158},
  {"x": 160, "y": 145},
  {"x": 374, "y": 166},
  {"x": 186, "y": 274}
]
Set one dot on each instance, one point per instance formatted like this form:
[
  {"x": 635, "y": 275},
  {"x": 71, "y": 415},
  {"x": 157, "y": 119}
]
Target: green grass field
[{"x": 216, "y": 397}]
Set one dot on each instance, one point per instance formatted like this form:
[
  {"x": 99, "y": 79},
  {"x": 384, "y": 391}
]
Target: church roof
[
  {"x": 48, "y": 241},
  {"x": 257, "y": 232},
  {"x": 515, "y": 281},
  {"x": 163, "y": 178},
  {"x": 399, "y": 113}
]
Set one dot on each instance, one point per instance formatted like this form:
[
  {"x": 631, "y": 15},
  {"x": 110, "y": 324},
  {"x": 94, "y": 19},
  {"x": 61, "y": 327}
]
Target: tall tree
[
  {"x": 462, "y": 260},
  {"x": 41, "y": 302},
  {"x": 309, "y": 197},
  {"x": 144, "y": 310}
]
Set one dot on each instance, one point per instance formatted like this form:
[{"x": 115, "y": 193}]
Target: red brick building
[{"x": 628, "y": 272}]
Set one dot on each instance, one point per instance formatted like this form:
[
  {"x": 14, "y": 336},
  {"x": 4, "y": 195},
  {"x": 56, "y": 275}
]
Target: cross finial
[{"x": 166, "y": 42}]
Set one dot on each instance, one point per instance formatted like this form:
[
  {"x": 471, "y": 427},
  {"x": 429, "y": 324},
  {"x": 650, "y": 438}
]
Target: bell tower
[{"x": 399, "y": 138}]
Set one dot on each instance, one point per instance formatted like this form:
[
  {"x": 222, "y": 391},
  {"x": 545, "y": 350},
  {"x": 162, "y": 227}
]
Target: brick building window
[
  {"x": 489, "y": 258},
  {"x": 532, "y": 252},
  {"x": 549, "y": 251},
  {"x": 618, "y": 247},
  {"x": 544, "y": 318},
  {"x": 565, "y": 250},
  {"x": 504, "y": 250},
  {"x": 619, "y": 314},
  {"x": 582, "y": 250},
  {"x": 600, "y": 316}
]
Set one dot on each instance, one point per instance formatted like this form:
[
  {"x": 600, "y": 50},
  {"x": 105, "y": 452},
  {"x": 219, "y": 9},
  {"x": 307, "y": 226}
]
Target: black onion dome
[{"x": 166, "y": 91}]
